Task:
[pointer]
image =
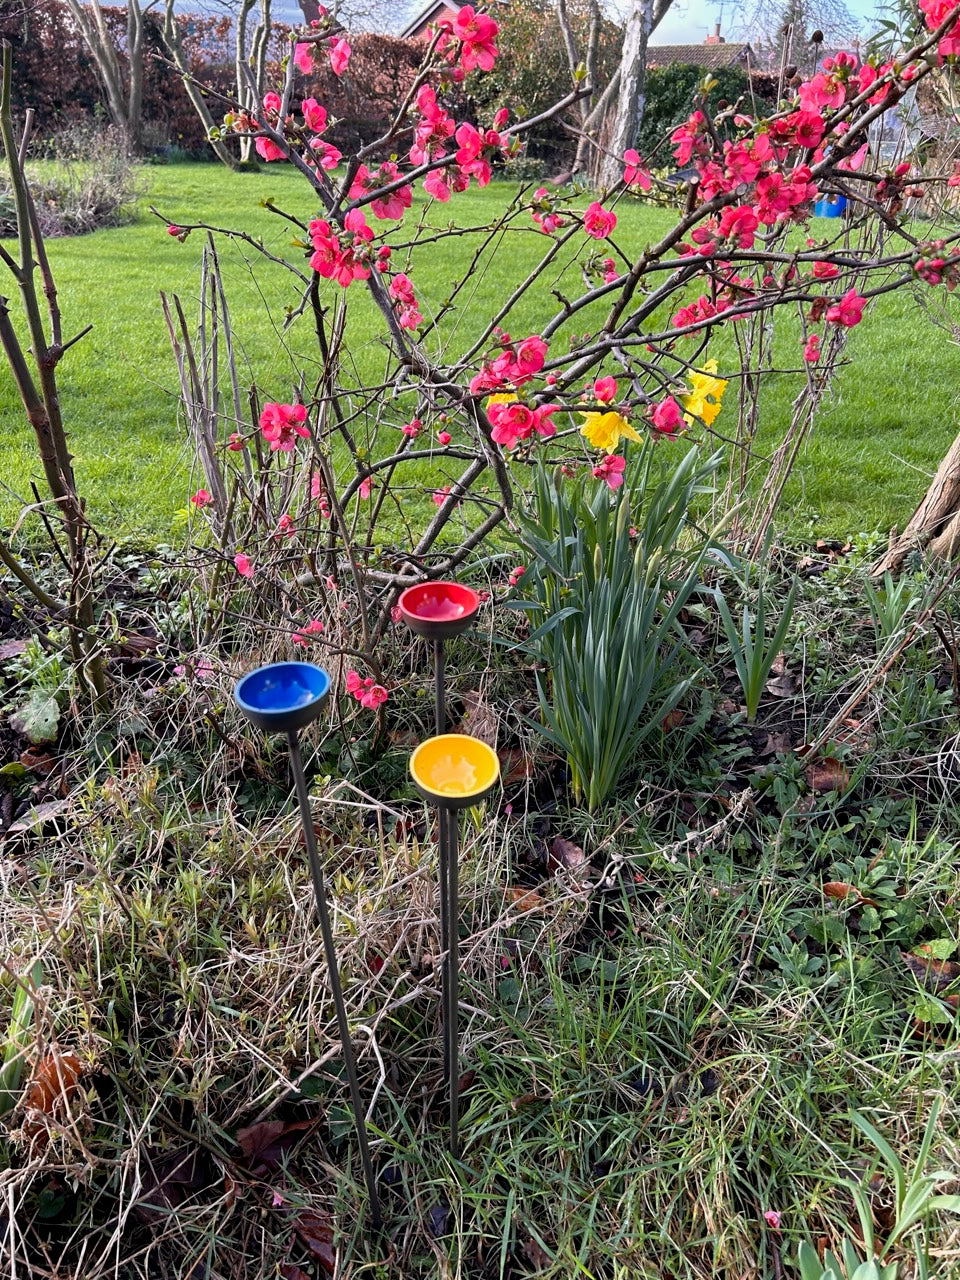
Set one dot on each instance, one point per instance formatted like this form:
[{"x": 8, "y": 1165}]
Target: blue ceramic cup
[{"x": 283, "y": 696}]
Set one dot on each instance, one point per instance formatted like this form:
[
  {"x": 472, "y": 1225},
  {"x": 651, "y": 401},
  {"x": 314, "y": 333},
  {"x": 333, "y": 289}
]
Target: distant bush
[
  {"x": 670, "y": 94},
  {"x": 86, "y": 180}
]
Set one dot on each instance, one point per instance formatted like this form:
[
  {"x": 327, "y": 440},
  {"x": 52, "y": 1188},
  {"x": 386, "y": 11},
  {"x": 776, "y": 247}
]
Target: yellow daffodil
[
  {"x": 505, "y": 398},
  {"x": 604, "y": 430},
  {"x": 706, "y": 394}
]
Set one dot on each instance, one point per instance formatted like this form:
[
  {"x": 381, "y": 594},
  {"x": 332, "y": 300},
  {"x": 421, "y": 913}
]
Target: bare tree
[
  {"x": 124, "y": 99},
  {"x": 626, "y": 85},
  {"x": 174, "y": 42},
  {"x": 251, "y": 66}
]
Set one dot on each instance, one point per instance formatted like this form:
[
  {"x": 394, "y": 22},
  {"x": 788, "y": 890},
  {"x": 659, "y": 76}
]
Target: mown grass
[{"x": 879, "y": 437}]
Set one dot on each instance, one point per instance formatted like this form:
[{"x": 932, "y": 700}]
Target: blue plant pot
[
  {"x": 830, "y": 207},
  {"x": 283, "y": 696}
]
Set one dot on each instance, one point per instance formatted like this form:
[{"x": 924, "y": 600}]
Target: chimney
[{"x": 716, "y": 38}]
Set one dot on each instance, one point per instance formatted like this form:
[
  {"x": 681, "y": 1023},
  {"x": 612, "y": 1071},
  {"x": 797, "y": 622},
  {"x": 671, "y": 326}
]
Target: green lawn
[{"x": 878, "y": 438}]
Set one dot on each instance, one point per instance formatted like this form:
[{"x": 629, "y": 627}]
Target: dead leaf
[
  {"x": 536, "y": 1255},
  {"x": 841, "y": 891},
  {"x": 290, "y": 1271},
  {"x": 776, "y": 744},
  {"x": 524, "y": 899},
  {"x": 37, "y": 817},
  {"x": 54, "y": 1082},
  {"x": 564, "y": 855},
  {"x": 265, "y": 1145},
  {"x": 672, "y": 720},
  {"x": 515, "y": 766},
  {"x": 480, "y": 720},
  {"x": 168, "y": 1180},
  {"x": 316, "y": 1233},
  {"x": 827, "y": 774},
  {"x": 41, "y": 763},
  {"x": 12, "y": 649},
  {"x": 784, "y": 686},
  {"x": 935, "y": 974}
]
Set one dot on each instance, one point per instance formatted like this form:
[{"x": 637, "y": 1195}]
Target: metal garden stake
[{"x": 284, "y": 697}]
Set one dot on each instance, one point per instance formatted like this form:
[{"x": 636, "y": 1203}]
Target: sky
[{"x": 687, "y": 21}]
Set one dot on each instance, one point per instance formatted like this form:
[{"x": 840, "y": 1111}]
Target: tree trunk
[
  {"x": 641, "y": 22},
  {"x": 935, "y": 525},
  {"x": 171, "y": 38},
  {"x": 135, "y": 76},
  {"x": 633, "y": 74},
  {"x": 96, "y": 36}
]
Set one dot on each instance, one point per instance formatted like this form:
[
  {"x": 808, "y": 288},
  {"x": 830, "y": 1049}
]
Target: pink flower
[
  {"x": 440, "y": 495},
  {"x": 811, "y": 350},
  {"x": 285, "y": 525},
  {"x": 202, "y": 498},
  {"x": 243, "y": 565},
  {"x": 340, "y": 53},
  {"x": 313, "y": 628},
  {"x": 739, "y": 224},
  {"x": 633, "y": 174},
  {"x": 366, "y": 485},
  {"x": 367, "y": 692},
  {"x": 314, "y": 116},
  {"x": 303, "y": 57},
  {"x": 268, "y": 150},
  {"x": 282, "y": 423},
  {"x": 173, "y": 230},
  {"x": 610, "y": 470},
  {"x": 605, "y": 390},
  {"x": 599, "y": 222},
  {"x": 444, "y": 437},
  {"x": 411, "y": 429},
  {"x": 772, "y": 1219},
  {"x": 477, "y": 32},
  {"x": 373, "y": 695},
  {"x": 396, "y": 614},
  {"x": 517, "y": 573},
  {"x": 435, "y": 184},
  {"x": 825, "y": 271},
  {"x": 237, "y": 442},
  {"x": 848, "y": 311},
  {"x": 667, "y": 417}
]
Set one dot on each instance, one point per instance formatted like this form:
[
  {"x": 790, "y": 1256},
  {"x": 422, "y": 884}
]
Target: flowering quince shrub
[{"x": 368, "y": 485}]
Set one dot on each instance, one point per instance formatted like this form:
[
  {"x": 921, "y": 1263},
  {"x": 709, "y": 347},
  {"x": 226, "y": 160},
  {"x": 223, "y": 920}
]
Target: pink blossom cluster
[
  {"x": 281, "y": 424},
  {"x": 544, "y": 212},
  {"x": 513, "y": 421},
  {"x": 393, "y": 204},
  {"x": 517, "y": 363},
  {"x": 345, "y": 256},
  {"x": 935, "y": 13},
  {"x": 366, "y": 691},
  {"x": 405, "y": 302},
  {"x": 468, "y": 41},
  {"x": 666, "y": 417},
  {"x": 611, "y": 470},
  {"x": 303, "y": 636},
  {"x": 934, "y": 268}
]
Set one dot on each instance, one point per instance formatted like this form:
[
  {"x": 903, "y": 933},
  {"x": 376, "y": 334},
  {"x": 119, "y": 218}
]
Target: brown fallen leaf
[
  {"x": 54, "y": 1082},
  {"x": 840, "y": 890},
  {"x": 12, "y": 649},
  {"x": 316, "y": 1233},
  {"x": 480, "y": 720},
  {"x": 935, "y": 974},
  {"x": 524, "y": 899},
  {"x": 564, "y": 855},
  {"x": 782, "y": 686},
  {"x": 827, "y": 774},
  {"x": 778, "y": 743},
  {"x": 41, "y": 763},
  {"x": 36, "y": 818},
  {"x": 536, "y": 1255},
  {"x": 672, "y": 720},
  {"x": 168, "y": 1180},
  {"x": 515, "y": 766},
  {"x": 264, "y": 1145}
]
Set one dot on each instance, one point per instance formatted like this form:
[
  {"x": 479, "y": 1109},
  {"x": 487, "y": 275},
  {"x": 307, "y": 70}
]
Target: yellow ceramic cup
[{"x": 454, "y": 770}]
